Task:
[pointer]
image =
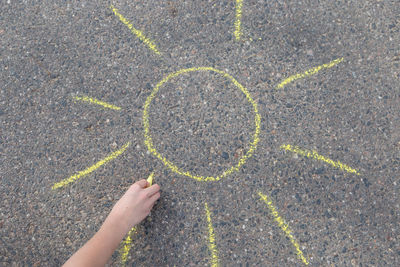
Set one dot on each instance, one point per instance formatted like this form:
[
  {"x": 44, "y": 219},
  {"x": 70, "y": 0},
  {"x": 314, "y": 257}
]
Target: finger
[
  {"x": 152, "y": 190},
  {"x": 154, "y": 198},
  {"x": 142, "y": 183},
  {"x": 151, "y": 207}
]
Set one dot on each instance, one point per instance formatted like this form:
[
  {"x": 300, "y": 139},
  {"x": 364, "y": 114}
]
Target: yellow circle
[{"x": 149, "y": 142}]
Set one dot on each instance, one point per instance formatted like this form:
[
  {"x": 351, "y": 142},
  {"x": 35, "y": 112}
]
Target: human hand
[
  {"x": 130, "y": 210},
  {"x": 134, "y": 205}
]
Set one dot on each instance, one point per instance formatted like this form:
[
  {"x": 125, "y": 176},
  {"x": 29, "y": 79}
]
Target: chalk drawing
[
  {"x": 238, "y": 17},
  {"x": 284, "y": 226},
  {"x": 95, "y": 101},
  {"x": 127, "y": 243},
  {"x": 80, "y": 174},
  {"x": 126, "y": 246},
  {"x": 139, "y": 34},
  {"x": 309, "y": 72},
  {"x": 211, "y": 238},
  {"x": 313, "y": 154},
  {"x": 149, "y": 141}
]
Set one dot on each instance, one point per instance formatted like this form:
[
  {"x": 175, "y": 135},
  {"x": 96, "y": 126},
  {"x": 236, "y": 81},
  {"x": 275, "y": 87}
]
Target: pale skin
[{"x": 130, "y": 210}]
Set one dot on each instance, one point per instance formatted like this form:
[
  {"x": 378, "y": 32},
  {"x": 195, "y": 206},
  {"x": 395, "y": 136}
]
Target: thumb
[{"x": 142, "y": 183}]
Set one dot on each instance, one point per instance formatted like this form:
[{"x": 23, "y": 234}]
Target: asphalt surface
[{"x": 51, "y": 52}]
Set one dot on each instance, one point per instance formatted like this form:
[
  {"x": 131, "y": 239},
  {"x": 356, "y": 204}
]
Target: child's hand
[
  {"x": 134, "y": 205},
  {"x": 130, "y": 210}
]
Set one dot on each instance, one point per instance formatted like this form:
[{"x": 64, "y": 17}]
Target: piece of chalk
[{"x": 150, "y": 179}]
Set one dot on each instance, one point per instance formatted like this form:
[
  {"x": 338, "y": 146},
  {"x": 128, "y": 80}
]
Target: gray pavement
[{"x": 51, "y": 52}]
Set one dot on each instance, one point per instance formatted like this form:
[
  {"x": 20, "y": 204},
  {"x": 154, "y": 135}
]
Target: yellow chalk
[
  {"x": 149, "y": 141},
  {"x": 211, "y": 238},
  {"x": 139, "y": 34},
  {"x": 95, "y": 101},
  {"x": 313, "y": 154},
  {"x": 309, "y": 72},
  {"x": 150, "y": 179},
  {"x": 284, "y": 226},
  {"x": 127, "y": 244},
  {"x": 80, "y": 174},
  {"x": 238, "y": 17}
]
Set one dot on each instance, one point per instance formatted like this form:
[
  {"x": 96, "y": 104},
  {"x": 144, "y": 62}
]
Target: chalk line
[
  {"x": 139, "y": 34},
  {"x": 211, "y": 238},
  {"x": 313, "y": 154},
  {"x": 309, "y": 72},
  {"x": 80, "y": 174},
  {"x": 238, "y": 17},
  {"x": 96, "y": 101},
  {"x": 127, "y": 244},
  {"x": 284, "y": 226}
]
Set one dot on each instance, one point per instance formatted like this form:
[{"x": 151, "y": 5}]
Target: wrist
[{"x": 116, "y": 225}]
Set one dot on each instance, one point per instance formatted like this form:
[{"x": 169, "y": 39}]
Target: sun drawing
[{"x": 254, "y": 141}]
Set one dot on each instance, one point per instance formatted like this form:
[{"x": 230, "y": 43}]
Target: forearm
[{"x": 100, "y": 247}]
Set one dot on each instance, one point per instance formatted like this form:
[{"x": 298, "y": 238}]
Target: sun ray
[
  {"x": 309, "y": 72},
  {"x": 211, "y": 238},
  {"x": 284, "y": 226},
  {"x": 139, "y": 34},
  {"x": 80, "y": 174},
  {"x": 238, "y": 17},
  {"x": 313, "y": 154},
  {"x": 126, "y": 246},
  {"x": 96, "y": 101}
]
